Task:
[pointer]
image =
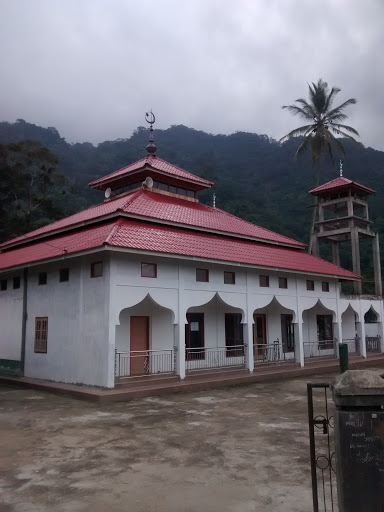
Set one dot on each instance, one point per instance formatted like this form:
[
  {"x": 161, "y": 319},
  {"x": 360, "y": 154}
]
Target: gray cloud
[{"x": 92, "y": 68}]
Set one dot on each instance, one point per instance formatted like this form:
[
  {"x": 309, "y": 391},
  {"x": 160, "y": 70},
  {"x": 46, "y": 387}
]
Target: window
[
  {"x": 202, "y": 275},
  {"x": 41, "y": 334},
  {"x": 16, "y": 282},
  {"x": 148, "y": 270},
  {"x": 325, "y": 286},
  {"x": 229, "y": 277},
  {"x": 42, "y": 278},
  {"x": 234, "y": 341},
  {"x": 264, "y": 281},
  {"x": 97, "y": 269},
  {"x": 310, "y": 285},
  {"x": 64, "y": 275},
  {"x": 283, "y": 282},
  {"x": 3, "y": 285}
]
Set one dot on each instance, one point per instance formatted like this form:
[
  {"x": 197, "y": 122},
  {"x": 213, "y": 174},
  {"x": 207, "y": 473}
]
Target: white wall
[
  {"x": 77, "y": 311},
  {"x": 11, "y": 311}
]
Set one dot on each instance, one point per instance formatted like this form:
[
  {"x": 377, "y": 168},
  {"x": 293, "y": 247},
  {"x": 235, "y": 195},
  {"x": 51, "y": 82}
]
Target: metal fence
[
  {"x": 267, "y": 353},
  {"x": 144, "y": 362},
  {"x": 373, "y": 343},
  {"x": 324, "y": 348},
  {"x": 353, "y": 345},
  {"x": 215, "y": 357}
]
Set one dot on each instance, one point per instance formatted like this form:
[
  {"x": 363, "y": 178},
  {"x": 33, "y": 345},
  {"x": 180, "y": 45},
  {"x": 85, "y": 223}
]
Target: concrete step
[{"x": 147, "y": 380}]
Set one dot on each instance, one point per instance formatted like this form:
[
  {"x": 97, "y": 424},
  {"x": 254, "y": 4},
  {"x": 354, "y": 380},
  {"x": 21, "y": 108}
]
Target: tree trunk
[{"x": 314, "y": 208}]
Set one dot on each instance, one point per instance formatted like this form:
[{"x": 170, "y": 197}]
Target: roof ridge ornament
[
  {"x": 150, "y": 118},
  {"x": 341, "y": 168}
]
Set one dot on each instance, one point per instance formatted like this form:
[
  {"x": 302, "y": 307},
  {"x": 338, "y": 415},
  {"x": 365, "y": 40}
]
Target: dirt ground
[{"x": 239, "y": 449}]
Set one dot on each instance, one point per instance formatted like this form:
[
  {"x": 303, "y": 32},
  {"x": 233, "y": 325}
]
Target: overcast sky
[{"x": 91, "y": 68}]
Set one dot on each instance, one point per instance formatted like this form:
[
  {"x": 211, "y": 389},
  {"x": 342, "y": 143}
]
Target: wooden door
[
  {"x": 259, "y": 332},
  {"x": 139, "y": 357},
  {"x": 194, "y": 336}
]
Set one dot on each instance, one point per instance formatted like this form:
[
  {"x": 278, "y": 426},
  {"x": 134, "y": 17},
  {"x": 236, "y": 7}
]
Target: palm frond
[
  {"x": 302, "y": 131},
  {"x": 295, "y": 110},
  {"x": 341, "y": 107},
  {"x": 330, "y": 98},
  {"x": 307, "y": 107},
  {"x": 303, "y": 146},
  {"x": 344, "y": 127},
  {"x": 336, "y": 117}
]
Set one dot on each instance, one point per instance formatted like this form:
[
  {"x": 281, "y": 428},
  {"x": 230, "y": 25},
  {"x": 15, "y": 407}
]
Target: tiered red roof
[
  {"x": 152, "y": 221},
  {"x": 134, "y": 235},
  {"x": 153, "y": 206}
]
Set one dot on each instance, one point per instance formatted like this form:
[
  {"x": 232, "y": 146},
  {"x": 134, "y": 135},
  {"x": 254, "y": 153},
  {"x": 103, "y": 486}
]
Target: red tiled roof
[
  {"x": 340, "y": 182},
  {"x": 138, "y": 235},
  {"x": 156, "y": 163},
  {"x": 162, "y": 208}
]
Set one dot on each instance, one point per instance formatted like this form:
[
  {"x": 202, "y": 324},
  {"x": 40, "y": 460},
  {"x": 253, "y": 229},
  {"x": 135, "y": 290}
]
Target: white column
[
  {"x": 248, "y": 338},
  {"x": 299, "y": 341},
  {"x": 381, "y": 325},
  {"x": 180, "y": 349},
  {"x": 180, "y": 329},
  {"x": 361, "y": 333},
  {"x": 248, "y": 329}
]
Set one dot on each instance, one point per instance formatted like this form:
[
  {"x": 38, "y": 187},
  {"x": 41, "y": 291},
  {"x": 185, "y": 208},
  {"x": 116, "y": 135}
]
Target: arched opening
[
  {"x": 318, "y": 332},
  {"x": 144, "y": 340},
  {"x": 214, "y": 336},
  {"x": 350, "y": 328},
  {"x": 372, "y": 331},
  {"x": 274, "y": 333}
]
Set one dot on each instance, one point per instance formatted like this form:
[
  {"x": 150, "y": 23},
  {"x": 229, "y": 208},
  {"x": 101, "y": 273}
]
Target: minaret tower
[{"x": 342, "y": 215}]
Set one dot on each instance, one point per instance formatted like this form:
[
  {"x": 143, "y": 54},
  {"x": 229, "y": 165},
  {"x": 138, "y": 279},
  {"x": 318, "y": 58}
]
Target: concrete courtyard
[{"x": 241, "y": 449}]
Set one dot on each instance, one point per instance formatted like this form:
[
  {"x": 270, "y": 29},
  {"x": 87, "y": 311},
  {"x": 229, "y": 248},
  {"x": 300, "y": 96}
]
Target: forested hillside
[{"x": 256, "y": 177}]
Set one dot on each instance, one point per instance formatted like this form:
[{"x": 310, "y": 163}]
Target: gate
[{"x": 322, "y": 452}]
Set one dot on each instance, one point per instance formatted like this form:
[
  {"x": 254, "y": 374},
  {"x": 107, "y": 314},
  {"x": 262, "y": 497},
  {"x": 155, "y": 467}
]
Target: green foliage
[{"x": 29, "y": 188}]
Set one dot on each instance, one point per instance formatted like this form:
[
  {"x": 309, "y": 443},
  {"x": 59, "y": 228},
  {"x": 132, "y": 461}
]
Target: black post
[
  {"x": 343, "y": 357},
  {"x": 315, "y": 498}
]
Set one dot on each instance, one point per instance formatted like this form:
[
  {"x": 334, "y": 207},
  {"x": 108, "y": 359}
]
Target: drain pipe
[{"x": 24, "y": 320}]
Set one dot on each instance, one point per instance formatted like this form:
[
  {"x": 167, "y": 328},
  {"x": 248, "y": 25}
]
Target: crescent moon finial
[{"x": 150, "y": 118}]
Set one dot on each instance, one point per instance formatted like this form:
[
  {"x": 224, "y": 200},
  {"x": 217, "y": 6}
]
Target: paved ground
[{"x": 239, "y": 449}]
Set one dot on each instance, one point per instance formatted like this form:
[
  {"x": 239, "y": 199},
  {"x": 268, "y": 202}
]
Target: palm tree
[{"x": 323, "y": 123}]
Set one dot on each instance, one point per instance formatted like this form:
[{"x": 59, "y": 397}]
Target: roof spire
[
  {"x": 341, "y": 168},
  {"x": 150, "y": 118},
  {"x": 214, "y": 200}
]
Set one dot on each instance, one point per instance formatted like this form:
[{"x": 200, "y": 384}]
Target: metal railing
[
  {"x": 264, "y": 353},
  {"x": 144, "y": 362},
  {"x": 324, "y": 348},
  {"x": 373, "y": 343},
  {"x": 215, "y": 357},
  {"x": 353, "y": 345}
]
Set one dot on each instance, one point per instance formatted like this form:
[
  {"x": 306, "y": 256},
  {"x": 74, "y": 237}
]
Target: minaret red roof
[{"x": 340, "y": 183}]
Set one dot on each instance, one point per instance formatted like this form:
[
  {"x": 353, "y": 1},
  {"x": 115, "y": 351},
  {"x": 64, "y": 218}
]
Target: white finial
[
  {"x": 341, "y": 168},
  {"x": 214, "y": 200}
]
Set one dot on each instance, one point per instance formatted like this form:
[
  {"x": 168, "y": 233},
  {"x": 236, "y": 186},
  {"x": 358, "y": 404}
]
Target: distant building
[{"x": 151, "y": 281}]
